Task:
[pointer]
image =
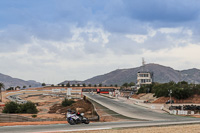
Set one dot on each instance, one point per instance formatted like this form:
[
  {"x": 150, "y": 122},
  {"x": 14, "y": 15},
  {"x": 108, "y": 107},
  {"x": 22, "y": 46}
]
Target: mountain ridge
[
  {"x": 162, "y": 74},
  {"x": 9, "y": 81}
]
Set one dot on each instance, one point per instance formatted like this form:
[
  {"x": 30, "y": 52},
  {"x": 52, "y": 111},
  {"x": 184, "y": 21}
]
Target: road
[
  {"x": 134, "y": 111},
  {"x": 92, "y": 126}
]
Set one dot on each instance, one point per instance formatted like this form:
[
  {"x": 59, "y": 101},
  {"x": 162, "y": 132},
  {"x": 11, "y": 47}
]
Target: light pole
[{"x": 170, "y": 93}]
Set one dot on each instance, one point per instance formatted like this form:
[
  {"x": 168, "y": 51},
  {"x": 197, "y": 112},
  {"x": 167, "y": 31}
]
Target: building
[{"x": 144, "y": 78}]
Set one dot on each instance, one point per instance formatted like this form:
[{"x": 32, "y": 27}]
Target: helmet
[{"x": 73, "y": 112}]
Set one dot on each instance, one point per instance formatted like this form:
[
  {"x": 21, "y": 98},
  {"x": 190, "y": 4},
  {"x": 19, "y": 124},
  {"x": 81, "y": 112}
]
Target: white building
[{"x": 144, "y": 78}]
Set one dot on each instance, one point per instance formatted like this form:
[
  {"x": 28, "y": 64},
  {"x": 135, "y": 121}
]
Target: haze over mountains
[{"x": 161, "y": 74}]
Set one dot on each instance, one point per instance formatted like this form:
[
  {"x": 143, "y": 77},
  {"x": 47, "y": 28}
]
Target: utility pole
[{"x": 170, "y": 93}]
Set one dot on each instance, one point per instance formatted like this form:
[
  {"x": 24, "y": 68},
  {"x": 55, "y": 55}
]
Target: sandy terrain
[{"x": 45, "y": 102}]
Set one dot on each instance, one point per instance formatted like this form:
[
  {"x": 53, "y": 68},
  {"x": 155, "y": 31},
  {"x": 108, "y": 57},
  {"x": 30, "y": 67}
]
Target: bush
[
  {"x": 67, "y": 102},
  {"x": 13, "y": 107},
  {"x": 34, "y": 116},
  {"x": 29, "y": 108}
]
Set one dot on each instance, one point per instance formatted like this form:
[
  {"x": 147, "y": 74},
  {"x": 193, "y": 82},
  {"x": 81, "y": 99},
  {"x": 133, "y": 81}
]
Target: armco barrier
[{"x": 94, "y": 118}]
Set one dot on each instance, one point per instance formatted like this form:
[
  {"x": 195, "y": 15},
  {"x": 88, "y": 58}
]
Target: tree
[
  {"x": 84, "y": 85},
  {"x": 1, "y": 86},
  {"x": 131, "y": 84},
  {"x": 111, "y": 85},
  {"x": 29, "y": 108},
  {"x": 68, "y": 84},
  {"x": 43, "y": 84},
  {"x": 95, "y": 85},
  {"x": 10, "y": 88},
  {"x": 78, "y": 85},
  {"x": 116, "y": 85},
  {"x": 11, "y": 107},
  {"x": 73, "y": 85},
  {"x": 63, "y": 85},
  {"x": 89, "y": 85},
  {"x": 125, "y": 85},
  {"x": 100, "y": 85},
  {"x": 17, "y": 87}
]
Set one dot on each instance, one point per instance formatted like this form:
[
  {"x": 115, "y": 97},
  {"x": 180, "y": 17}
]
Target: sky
[{"x": 55, "y": 40}]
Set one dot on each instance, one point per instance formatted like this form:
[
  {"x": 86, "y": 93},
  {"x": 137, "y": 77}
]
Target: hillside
[
  {"x": 13, "y": 82},
  {"x": 161, "y": 74},
  {"x": 71, "y": 82}
]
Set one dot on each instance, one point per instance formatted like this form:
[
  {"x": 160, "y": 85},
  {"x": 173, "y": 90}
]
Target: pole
[
  {"x": 1, "y": 94},
  {"x": 170, "y": 97}
]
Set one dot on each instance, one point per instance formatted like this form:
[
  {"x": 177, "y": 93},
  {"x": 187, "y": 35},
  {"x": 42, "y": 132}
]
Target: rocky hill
[
  {"x": 161, "y": 74},
  {"x": 13, "y": 82},
  {"x": 71, "y": 82}
]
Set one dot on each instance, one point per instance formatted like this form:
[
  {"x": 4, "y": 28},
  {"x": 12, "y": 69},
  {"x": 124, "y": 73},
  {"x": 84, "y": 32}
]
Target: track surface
[
  {"x": 134, "y": 111},
  {"x": 93, "y": 126}
]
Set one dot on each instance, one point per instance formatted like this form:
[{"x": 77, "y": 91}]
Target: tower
[{"x": 143, "y": 77}]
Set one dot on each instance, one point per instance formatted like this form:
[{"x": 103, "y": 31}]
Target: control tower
[{"x": 144, "y": 77}]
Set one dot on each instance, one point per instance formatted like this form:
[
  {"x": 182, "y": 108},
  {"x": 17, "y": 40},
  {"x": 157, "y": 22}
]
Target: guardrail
[{"x": 94, "y": 118}]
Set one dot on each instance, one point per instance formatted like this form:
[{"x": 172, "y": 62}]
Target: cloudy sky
[{"x": 55, "y": 40}]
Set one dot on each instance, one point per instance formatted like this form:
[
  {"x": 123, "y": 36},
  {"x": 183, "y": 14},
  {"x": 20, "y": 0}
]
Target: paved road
[
  {"x": 134, "y": 111},
  {"x": 93, "y": 126}
]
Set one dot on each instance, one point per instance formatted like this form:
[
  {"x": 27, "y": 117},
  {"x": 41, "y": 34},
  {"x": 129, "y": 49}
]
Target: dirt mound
[
  {"x": 82, "y": 106},
  {"x": 193, "y": 99},
  {"x": 138, "y": 96}
]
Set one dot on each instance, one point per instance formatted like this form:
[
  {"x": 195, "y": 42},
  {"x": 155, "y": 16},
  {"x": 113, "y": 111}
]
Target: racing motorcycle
[{"x": 76, "y": 118}]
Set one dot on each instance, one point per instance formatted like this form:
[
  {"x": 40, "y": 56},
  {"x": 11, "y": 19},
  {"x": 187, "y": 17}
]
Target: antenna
[{"x": 143, "y": 63}]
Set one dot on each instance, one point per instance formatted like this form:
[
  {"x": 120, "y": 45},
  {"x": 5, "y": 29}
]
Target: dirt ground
[
  {"x": 194, "y": 100},
  {"x": 50, "y": 106},
  {"x": 138, "y": 96},
  {"x": 165, "y": 129}
]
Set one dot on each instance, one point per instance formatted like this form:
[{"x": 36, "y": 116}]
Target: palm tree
[{"x": 1, "y": 86}]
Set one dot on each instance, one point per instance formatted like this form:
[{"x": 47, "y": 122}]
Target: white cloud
[
  {"x": 137, "y": 38},
  {"x": 170, "y": 30},
  {"x": 180, "y": 57}
]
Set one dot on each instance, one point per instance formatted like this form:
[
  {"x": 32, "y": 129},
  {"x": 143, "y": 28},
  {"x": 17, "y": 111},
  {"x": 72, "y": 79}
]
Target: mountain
[
  {"x": 71, "y": 82},
  {"x": 13, "y": 82},
  {"x": 161, "y": 74}
]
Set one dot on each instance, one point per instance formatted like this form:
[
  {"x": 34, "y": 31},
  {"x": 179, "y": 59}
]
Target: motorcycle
[{"x": 76, "y": 118}]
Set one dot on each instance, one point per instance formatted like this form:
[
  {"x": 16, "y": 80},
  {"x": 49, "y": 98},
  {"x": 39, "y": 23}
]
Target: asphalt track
[
  {"x": 92, "y": 126},
  {"x": 135, "y": 111}
]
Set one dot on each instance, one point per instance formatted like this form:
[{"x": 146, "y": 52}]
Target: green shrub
[
  {"x": 29, "y": 108},
  {"x": 67, "y": 102},
  {"x": 34, "y": 116},
  {"x": 13, "y": 107}
]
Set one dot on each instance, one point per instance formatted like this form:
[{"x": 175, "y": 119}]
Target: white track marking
[{"x": 74, "y": 130}]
